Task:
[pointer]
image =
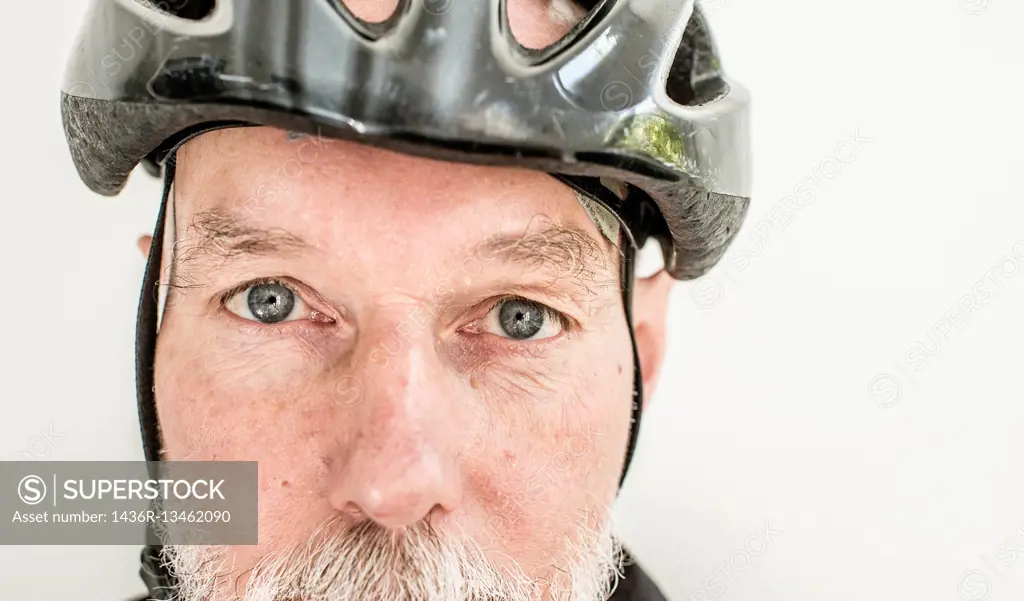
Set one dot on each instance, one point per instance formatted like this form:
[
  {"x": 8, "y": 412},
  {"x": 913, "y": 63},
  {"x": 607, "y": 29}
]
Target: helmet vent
[
  {"x": 193, "y": 10},
  {"x": 382, "y": 10},
  {"x": 696, "y": 74}
]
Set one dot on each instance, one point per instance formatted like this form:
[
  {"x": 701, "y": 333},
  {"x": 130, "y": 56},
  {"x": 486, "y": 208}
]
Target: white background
[{"x": 789, "y": 398}]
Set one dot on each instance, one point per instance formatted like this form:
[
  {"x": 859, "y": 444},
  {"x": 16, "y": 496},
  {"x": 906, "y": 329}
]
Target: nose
[{"x": 396, "y": 463}]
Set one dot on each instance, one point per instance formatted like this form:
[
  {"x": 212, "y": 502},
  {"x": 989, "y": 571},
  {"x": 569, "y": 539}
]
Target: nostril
[{"x": 353, "y": 513}]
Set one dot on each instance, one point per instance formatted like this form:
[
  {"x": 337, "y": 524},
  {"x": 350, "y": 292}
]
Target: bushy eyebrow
[
  {"x": 217, "y": 237},
  {"x": 214, "y": 238},
  {"x": 229, "y": 234},
  {"x": 568, "y": 252}
]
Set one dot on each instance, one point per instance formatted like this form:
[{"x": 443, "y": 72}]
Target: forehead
[
  {"x": 265, "y": 172},
  {"x": 363, "y": 204}
]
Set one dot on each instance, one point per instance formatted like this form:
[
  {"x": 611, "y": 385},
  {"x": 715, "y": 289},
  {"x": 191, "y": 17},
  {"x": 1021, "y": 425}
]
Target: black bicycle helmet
[{"x": 634, "y": 93}]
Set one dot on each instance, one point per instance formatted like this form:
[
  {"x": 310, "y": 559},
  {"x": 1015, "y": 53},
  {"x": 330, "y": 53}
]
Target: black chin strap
[
  {"x": 154, "y": 573},
  {"x": 158, "y": 578},
  {"x": 146, "y": 327},
  {"x": 628, "y": 264}
]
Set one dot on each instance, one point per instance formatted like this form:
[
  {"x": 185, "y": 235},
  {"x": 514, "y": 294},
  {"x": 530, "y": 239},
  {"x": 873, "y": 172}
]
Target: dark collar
[{"x": 636, "y": 585}]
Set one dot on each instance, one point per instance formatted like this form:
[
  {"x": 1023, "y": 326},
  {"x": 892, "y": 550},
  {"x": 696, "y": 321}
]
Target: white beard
[{"x": 370, "y": 563}]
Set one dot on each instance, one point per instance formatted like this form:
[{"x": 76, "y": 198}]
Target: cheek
[
  {"x": 230, "y": 398},
  {"x": 219, "y": 401},
  {"x": 554, "y": 449}
]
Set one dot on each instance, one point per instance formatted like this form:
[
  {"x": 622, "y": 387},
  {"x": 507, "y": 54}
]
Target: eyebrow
[
  {"x": 570, "y": 250},
  {"x": 219, "y": 236},
  {"x": 229, "y": 234}
]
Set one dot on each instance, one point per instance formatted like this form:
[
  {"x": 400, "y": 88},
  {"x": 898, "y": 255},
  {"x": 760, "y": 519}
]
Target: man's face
[{"x": 429, "y": 361}]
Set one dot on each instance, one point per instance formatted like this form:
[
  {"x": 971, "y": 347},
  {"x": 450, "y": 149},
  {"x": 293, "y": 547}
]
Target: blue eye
[
  {"x": 523, "y": 319},
  {"x": 270, "y": 303},
  {"x": 267, "y": 303},
  {"x": 520, "y": 320}
]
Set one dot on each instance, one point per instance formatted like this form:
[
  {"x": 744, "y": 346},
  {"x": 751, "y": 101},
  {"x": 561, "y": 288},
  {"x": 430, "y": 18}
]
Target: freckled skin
[
  {"x": 378, "y": 416},
  {"x": 501, "y": 442}
]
